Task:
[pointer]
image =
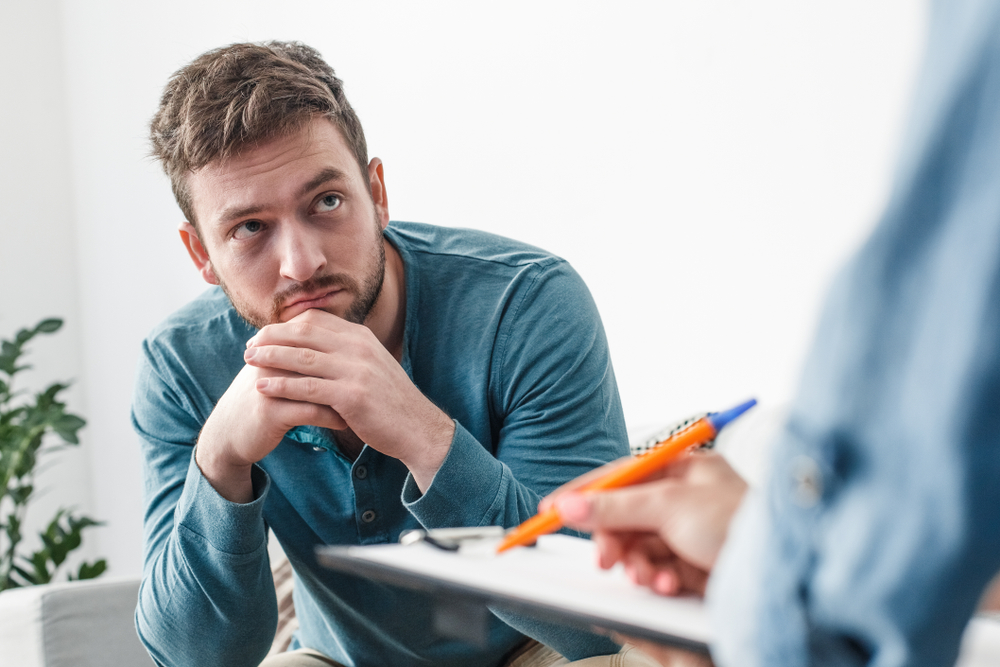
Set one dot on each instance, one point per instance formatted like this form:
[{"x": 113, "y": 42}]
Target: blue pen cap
[{"x": 720, "y": 419}]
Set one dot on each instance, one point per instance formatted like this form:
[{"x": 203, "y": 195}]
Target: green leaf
[
  {"x": 13, "y": 529},
  {"x": 27, "y": 578},
  {"x": 91, "y": 570},
  {"x": 46, "y": 401},
  {"x": 40, "y": 561},
  {"x": 9, "y": 353},
  {"x": 67, "y": 426},
  {"x": 59, "y": 541},
  {"x": 50, "y": 325},
  {"x": 76, "y": 524},
  {"x": 26, "y": 464},
  {"x": 20, "y": 494}
]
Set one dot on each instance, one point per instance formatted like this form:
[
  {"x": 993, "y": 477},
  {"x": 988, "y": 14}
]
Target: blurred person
[{"x": 879, "y": 526}]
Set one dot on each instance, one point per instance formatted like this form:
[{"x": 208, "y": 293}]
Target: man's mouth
[{"x": 314, "y": 300}]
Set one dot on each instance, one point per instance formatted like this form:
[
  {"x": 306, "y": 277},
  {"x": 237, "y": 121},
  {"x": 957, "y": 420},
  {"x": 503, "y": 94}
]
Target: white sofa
[
  {"x": 91, "y": 623},
  {"x": 73, "y": 624}
]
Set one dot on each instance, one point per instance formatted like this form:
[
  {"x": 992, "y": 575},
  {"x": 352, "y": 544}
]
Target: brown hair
[{"x": 240, "y": 95}]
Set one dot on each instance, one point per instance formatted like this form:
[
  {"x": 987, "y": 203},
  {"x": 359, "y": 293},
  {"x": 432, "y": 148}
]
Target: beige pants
[{"x": 533, "y": 655}]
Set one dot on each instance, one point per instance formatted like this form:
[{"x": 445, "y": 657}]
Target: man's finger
[
  {"x": 312, "y": 328},
  {"x": 295, "y": 413}
]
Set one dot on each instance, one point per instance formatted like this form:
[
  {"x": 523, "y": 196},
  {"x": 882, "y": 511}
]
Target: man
[
  {"x": 349, "y": 379},
  {"x": 880, "y": 525}
]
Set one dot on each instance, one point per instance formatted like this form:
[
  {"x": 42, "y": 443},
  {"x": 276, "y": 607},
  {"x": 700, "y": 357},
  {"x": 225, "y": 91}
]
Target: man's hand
[
  {"x": 245, "y": 426},
  {"x": 666, "y": 532},
  {"x": 320, "y": 359}
]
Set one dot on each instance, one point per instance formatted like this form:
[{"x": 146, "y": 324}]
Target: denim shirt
[
  {"x": 503, "y": 337},
  {"x": 880, "y": 525}
]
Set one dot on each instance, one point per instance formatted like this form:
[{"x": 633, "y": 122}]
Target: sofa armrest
[{"x": 78, "y": 624}]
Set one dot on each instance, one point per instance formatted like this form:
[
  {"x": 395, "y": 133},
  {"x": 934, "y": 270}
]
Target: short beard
[{"x": 366, "y": 295}]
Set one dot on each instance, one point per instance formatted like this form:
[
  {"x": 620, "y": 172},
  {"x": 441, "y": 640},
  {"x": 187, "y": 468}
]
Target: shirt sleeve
[
  {"x": 553, "y": 387},
  {"x": 207, "y": 596},
  {"x": 559, "y": 415}
]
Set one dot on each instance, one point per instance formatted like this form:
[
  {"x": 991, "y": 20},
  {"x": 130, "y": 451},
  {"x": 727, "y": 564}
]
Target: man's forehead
[
  {"x": 317, "y": 139},
  {"x": 299, "y": 161}
]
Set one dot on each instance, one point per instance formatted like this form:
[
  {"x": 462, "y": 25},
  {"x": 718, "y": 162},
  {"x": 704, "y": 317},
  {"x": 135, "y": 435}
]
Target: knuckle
[
  {"x": 301, "y": 329},
  {"x": 307, "y": 356},
  {"x": 311, "y": 387}
]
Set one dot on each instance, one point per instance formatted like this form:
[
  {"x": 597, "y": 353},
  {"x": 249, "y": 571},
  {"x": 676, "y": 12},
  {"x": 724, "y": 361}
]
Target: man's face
[{"x": 290, "y": 225}]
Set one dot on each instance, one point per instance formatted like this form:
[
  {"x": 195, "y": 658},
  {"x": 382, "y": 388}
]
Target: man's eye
[
  {"x": 327, "y": 204},
  {"x": 247, "y": 229}
]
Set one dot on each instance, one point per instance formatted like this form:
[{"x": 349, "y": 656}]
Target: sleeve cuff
[
  {"x": 733, "y": 595},
  {"x": 466, "y": 491},
  {"x": 234, "y": 528}
]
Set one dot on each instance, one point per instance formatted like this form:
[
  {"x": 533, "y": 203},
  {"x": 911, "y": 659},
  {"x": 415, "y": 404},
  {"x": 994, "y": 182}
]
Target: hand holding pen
[
  {"x": 667, "y": 532},
  {"x": 628, "y": 472}
]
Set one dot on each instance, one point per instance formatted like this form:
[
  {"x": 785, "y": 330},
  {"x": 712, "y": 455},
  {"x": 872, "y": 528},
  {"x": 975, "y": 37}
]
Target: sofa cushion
[{"x": 73, "y": 624}]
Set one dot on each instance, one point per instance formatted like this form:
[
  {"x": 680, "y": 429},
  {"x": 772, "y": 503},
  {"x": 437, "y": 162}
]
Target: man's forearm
[{"x": 207, "y": 596}]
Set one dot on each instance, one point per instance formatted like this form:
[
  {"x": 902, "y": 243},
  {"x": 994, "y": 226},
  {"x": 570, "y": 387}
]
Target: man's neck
[{"x": 387, "y": 319}]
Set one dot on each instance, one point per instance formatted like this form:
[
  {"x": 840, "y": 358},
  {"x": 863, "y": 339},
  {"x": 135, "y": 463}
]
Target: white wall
[
  {"x": 705, "y": 166},
  {"x": 38, "y": 260}
]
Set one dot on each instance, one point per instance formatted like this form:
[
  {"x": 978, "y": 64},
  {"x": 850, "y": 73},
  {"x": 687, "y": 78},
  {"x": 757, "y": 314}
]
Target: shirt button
[
  {"x": 317, "y": 449},
  {"x": 807, "y": 481},
  {"x": 368, "y": 516},
  {"x": 361, "y": 472}
]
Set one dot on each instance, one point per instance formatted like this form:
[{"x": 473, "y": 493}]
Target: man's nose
[{"x": 301, "y": 253}]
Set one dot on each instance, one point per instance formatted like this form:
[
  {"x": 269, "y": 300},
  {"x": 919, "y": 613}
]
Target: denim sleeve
[
  {"x": 553, "y": 384},
  {"x": 880, "y": 525},
  {"x": 206, "y": 596}
]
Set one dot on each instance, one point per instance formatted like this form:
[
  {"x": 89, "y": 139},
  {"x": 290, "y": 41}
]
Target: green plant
[{"x": 30, "y": 428}]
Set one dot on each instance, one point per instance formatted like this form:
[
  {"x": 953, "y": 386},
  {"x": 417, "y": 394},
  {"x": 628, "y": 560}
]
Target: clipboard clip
[{"x": 451, "y": 539}]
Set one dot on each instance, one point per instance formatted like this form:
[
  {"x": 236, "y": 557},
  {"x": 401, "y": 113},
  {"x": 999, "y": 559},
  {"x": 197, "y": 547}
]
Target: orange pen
[{"x": 660, "y": 456}]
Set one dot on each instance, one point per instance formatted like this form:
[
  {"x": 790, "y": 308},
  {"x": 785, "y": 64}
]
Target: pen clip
[{"x": 451, "y": 539}]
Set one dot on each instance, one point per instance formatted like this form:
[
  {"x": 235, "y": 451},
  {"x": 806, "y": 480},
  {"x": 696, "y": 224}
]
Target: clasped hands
[{"x": 318, "y": 369}]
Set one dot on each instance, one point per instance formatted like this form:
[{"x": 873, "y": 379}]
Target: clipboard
[{"x": 556, "y": 581}]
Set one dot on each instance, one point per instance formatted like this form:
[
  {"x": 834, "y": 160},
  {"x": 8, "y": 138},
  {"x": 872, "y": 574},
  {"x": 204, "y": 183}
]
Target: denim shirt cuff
[
  {"x": 234, "y": 528},
  {"x": 466, "y": 489},
  {"x": 733, "y": 595}
]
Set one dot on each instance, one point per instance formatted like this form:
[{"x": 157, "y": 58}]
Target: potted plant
[{"x": 31, "y": 427}]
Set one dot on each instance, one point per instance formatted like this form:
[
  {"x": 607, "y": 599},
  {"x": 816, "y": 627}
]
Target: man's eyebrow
[
  {"x": 325, "y": 176},
  {"x": 235, "y": 213}
]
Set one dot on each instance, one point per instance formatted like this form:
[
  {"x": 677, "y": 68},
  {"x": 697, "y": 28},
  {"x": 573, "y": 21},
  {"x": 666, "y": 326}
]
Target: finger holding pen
[{"x": 688, "y": 516}]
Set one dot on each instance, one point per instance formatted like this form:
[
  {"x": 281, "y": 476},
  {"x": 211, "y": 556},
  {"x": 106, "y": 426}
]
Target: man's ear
[
  {"x": 376, "y": 179},
  {"x": 189, "y": 236}
]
